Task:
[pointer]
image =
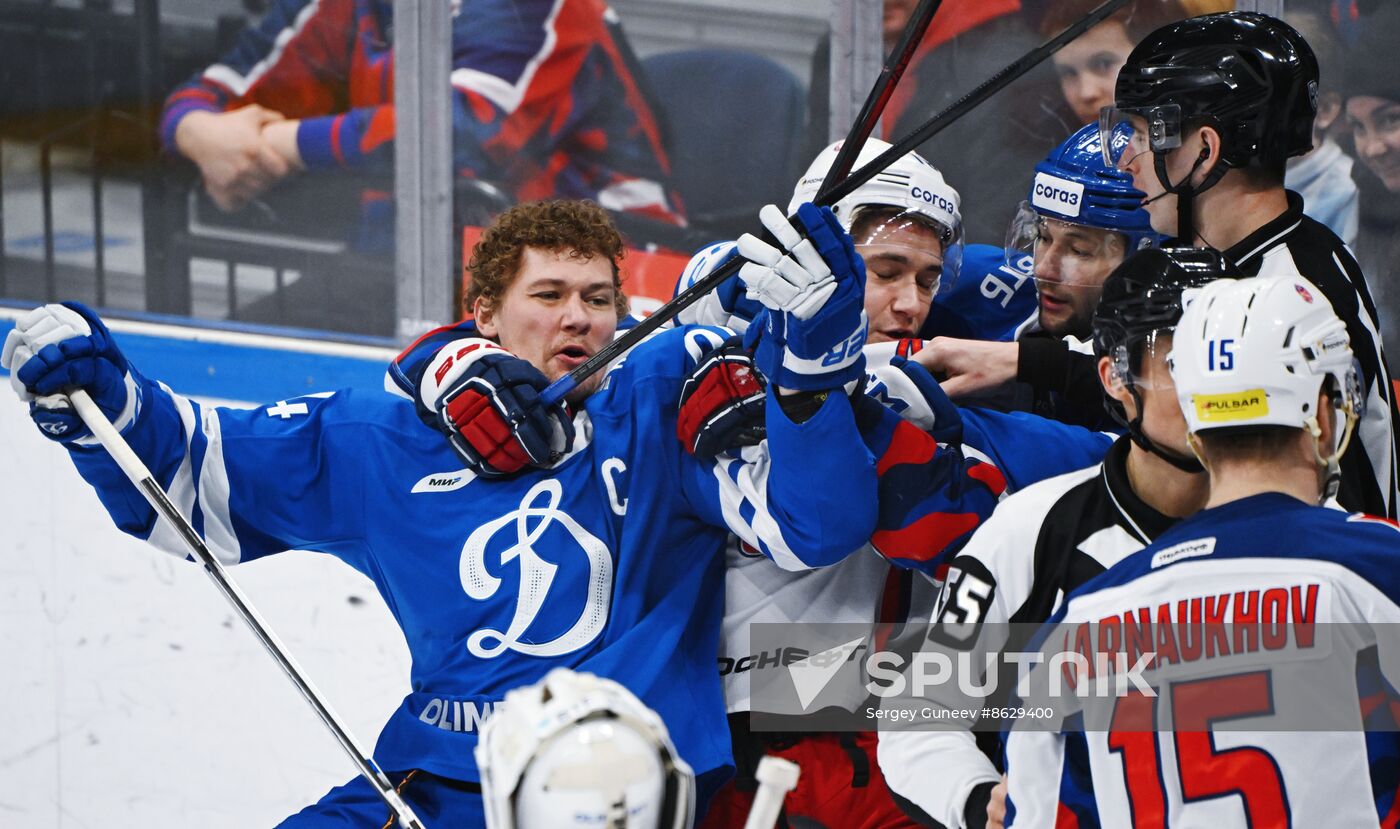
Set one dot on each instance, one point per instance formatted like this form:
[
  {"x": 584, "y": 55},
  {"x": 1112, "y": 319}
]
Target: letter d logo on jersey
[
  {"x": 538, "y": 510},
  {"x": 1057, "y": 195}
]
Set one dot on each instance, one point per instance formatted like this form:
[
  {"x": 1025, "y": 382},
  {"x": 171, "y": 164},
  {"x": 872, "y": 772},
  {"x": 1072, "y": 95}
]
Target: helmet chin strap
[
  {"x": 1331, "y": 464},
  {"x": 1184, "y": 192},
  {"x": 1191, "y": 465}
]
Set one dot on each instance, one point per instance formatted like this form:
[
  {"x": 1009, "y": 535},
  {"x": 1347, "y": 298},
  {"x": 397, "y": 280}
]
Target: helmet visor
[
  {"x": 907, "y": 246},
  {"x": 1142, "y": 361},
  {"x": 1125, "y": 134},
  {"x": 1064, "y": 254}
]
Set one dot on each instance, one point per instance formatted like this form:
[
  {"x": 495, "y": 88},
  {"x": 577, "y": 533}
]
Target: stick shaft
[
  {"x": 880, "y": 94},
  {"x": 974, "y": 98},
  {"x": 141, "y": 477},
  {"x": 776, "y": 777}
]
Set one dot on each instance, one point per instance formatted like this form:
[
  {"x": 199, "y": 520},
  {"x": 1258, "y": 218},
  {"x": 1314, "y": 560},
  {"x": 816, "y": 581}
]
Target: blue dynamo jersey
[
  {"x": 610, "y": 562},
  {"x": 990, "y": 300}
]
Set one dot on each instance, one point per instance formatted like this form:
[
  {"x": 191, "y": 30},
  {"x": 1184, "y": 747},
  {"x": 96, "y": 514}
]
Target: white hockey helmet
[
  {"x": 1256, "y": 352},
  {"x": 910, "y": 183},
  {"x": 923, "y": 204},
  {"x": 577, "y": 750}
]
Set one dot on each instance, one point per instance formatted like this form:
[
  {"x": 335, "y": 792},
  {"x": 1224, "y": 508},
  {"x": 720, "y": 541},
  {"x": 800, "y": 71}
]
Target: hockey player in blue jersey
[
  {"x": 1270, "y": 392},
  {"x": 1081, "y": 219},
  {"x": 582, "y": 537}
]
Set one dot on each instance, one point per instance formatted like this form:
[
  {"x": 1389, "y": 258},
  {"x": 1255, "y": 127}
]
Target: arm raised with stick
[{"x": 80, "y": 387}]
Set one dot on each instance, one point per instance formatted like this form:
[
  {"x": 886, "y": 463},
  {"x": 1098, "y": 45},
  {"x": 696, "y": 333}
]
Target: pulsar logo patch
[
  {"x": 1057, "y": 195},
  {"x": 1223, "y": 408},
  {"x": 1303, "y": 292}
]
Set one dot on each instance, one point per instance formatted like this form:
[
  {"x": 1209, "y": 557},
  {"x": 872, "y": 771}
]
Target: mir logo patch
[
  {"x": 1223, "y": 408},
  {"x": 1057, "y": 195}
]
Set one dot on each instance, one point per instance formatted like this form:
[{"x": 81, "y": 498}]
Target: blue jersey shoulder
[
  {"x": 407, "y": 368},
  {"x": 663, "y": 360},
  {"x": 1274, "y": 525},
  {"x": 988, "y": 300}
]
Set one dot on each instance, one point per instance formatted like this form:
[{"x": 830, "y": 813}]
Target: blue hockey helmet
[{"x": 1074, "y": 185}]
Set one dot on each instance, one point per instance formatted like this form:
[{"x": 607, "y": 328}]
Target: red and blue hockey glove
[
  {"x": 814, "y": 325},
  {"x": 722, "y": 403},
  {"x": 58, "y": 348},
  {"x": 487, "y": 403}
]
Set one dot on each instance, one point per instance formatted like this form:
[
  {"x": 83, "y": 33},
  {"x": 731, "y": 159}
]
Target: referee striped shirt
[{"x": 1294, "y": 244}]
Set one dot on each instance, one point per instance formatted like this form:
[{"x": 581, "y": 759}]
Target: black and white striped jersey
[
  {"x": 1040, "y": 544},
  {"x": 1294, "y": 244}
]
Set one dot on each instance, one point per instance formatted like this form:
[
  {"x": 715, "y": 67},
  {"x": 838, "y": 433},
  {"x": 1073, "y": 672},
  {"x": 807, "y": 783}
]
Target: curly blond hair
[{"x": 580, "y": 228}]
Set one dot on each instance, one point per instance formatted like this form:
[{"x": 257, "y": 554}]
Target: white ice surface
[{"x": 130, "y": 693}]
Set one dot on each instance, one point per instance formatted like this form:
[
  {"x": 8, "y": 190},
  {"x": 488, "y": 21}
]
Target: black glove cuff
[
  {"x": 975, "y": 812},
  {"x": 802, "y": 406}
]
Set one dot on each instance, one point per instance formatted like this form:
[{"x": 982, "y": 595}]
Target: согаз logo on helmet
[{"x": 934, "y": 199}]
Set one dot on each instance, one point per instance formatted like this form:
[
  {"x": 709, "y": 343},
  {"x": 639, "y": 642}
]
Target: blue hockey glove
[
  {"x": 58, "y": 348},
  {"x": 814, "y": 325},
  {"x": 728, "y": 305},
  {"x": 487, "y": 403},
  {"x": 722, "y": 403}
]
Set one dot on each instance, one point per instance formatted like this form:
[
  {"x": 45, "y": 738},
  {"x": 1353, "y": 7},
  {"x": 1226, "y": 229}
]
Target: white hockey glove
[
  {"x": 56, "y": 348},
  {"x": 814, "y": 296}
]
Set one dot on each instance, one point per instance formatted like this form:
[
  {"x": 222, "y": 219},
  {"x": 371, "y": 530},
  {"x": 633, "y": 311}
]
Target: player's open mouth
[
  {"x": 898, "y": 333},
  {"x": 572, "y": 355}
]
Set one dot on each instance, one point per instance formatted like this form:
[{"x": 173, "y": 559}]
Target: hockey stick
[
  {"x": 972, "y": 99},
  {"x": 141, "y": 477},
  {"x": 561, "y": 387},
  {"x": 880, "y": 93}
]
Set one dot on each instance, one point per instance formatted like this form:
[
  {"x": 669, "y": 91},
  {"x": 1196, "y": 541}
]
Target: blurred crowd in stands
[{"x": 295, "y": 119}]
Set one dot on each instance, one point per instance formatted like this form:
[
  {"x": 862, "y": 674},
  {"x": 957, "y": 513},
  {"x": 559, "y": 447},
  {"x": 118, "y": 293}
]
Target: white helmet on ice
[
  {"x": 910, "y": 183},
  {"x": 1256, "y": 352},
  {"x": 576, "y": 750}
]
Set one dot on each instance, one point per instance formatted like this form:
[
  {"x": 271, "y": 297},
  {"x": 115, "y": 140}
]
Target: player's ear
[
  {"x": 1326, "y": 421},
  {"x": 1114, "y": 383},
  {"x": 484, "y": 313},
  {"x": 1211, "y": 146}
]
